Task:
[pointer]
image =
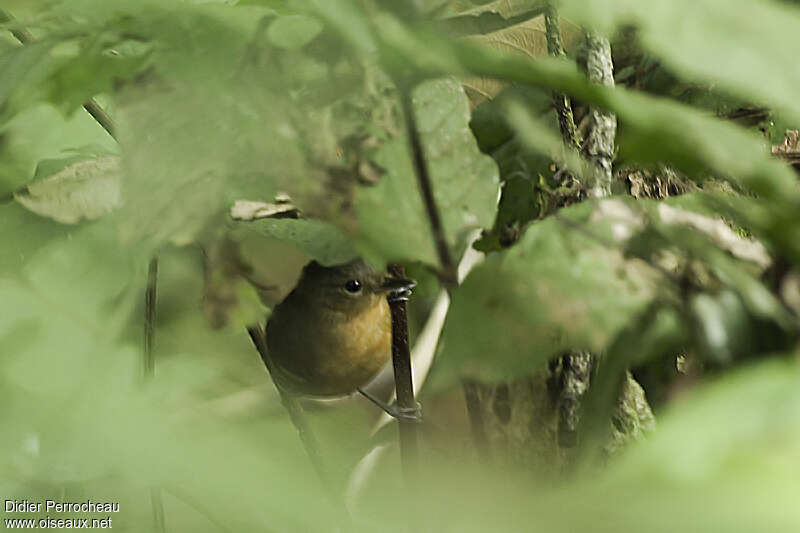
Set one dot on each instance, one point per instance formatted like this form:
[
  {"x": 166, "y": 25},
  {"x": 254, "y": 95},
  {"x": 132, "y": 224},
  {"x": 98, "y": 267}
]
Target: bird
[{"x": 333, "y": 333}]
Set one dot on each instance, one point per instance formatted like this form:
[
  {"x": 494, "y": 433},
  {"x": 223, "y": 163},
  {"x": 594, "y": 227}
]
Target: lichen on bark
[{"x": 599, "y": 144}]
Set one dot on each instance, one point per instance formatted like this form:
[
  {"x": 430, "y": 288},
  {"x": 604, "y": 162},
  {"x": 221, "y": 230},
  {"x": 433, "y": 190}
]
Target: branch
[
  {"x": 150, "y": 317},
  {"x": 599, "y": 147},
  {"x": 404, "y": 385},
  {"x": 91, "y": 106},
  {"x": 150, "y": 294},
  {"x": 448, "y": 275},
  {"x": 555, "y": 47}
]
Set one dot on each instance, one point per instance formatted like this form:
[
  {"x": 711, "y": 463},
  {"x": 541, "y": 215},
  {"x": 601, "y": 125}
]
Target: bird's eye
[{"x": 352, "y": 285}]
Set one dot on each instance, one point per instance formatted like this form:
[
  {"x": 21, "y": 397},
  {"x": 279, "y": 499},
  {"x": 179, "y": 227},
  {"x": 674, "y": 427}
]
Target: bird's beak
[{"x": 392, "y": 284}]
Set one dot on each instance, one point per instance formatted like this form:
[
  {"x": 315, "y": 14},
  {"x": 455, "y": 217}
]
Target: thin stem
[
  {"x": 603, "y": 124},
  {"x": 404, "y": 384},
  {"x": 297, "y": 416},
  {"x": 102, "y": 118},
  {"x": 448, "y": 274},
  {"x": 91, "y": 106},
  {"x": 150, "y": 317},
  {"x": 555, "y": 47},
  {"x": 289, "y": 402},
  {"x": 150, "y": 295}
]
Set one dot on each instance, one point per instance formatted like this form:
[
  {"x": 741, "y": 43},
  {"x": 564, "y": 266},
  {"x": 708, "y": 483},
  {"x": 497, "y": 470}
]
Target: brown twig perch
[
  {"x": 448, "y": 274},
  {"x": 404, "y": 385}
]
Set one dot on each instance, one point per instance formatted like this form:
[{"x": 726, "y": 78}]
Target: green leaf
[
  {"x": 93, "y": 70},
  {"x": 322, "y": 241},
  {"x": 393, "y": 223},
  {"x": 71, "y": 297},
  {"x": 725, "y": 259},
  {"x": 21, "y": 68},
  {"x": 293, "y": 31},
  {"x": 25, "y": 233},
  {"x": 85, "y": 189},
  {"x": 722, "y": 325},
  {"x": 518, "y": 205},
  {"x": 561, "y": 287},
  {"x": 20, "y": 158},
  {"x": 229, "y": 133},
  {"x": 184, "y": 170},
  {"x": 742, "y": 424},
  {"x": 349, "y": 21}
]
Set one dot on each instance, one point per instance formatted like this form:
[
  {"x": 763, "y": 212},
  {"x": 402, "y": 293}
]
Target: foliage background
[{"x": 219, "y": 101}]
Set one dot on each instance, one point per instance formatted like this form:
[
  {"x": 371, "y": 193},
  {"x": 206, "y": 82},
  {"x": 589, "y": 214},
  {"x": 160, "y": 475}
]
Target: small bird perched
[{"x": 333, "y": 332}]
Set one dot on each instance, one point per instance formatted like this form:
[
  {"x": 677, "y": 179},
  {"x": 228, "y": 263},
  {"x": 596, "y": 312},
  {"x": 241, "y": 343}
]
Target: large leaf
[
  {"x": 320, "y": 240},
  {"x": 227, "y": 134},
  {"x": 184, "y": 170},
  {"x": 393, "y": 223},
  {"x": 71, "y": 295},
  {"x": 526, "y": 38},
  {"x": 22, "y": 67},
  {"x": 41, "y": 133},
  {"x": 559, "y": 288},
  {"x": 293, "y": 31}
]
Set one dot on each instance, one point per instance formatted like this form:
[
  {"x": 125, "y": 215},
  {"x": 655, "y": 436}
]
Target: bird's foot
[
  {"x": 403, "y": 414},
  {"x": 400, "y": 295}
]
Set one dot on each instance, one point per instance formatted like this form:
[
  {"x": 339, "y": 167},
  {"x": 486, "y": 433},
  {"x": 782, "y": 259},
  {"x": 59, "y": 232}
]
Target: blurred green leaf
[
  {"x": 24, "y": 233},
  {"x": 392, "y": 221},
  {"x": 39, "y": 134},
  {"x": 214, "y": 105},
  {"x": 293, "y": 31},
  {"x": 244, "y": 144},
  {"x": 93, "y": 70},
  {"x": 75, "y": 292},
  {"x": 184, "y": 171},
  {"x": 558, "y": 288},
  {"x": 320, "y": 240},
  {"x": 485, "y": 22},
  {"x": 748, "y": 429},
  {"x": 22, "y": 68},
  {"x": 722, "y": 324},
  {"x": 349, "y": 21}
]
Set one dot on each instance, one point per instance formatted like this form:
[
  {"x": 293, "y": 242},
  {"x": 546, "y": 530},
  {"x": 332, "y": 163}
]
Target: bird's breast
[{"x": 330, "y": 352}]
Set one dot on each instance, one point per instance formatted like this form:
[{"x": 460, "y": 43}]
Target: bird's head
[{"x": 350, "y": 286}]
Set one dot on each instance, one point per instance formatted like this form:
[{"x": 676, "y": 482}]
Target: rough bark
[
  {"x": 561, "y": 102},
  {"x": 599, "y": 144}
]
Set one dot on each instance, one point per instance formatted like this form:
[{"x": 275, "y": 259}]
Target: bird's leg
[{"x": 404, "y": 414}]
